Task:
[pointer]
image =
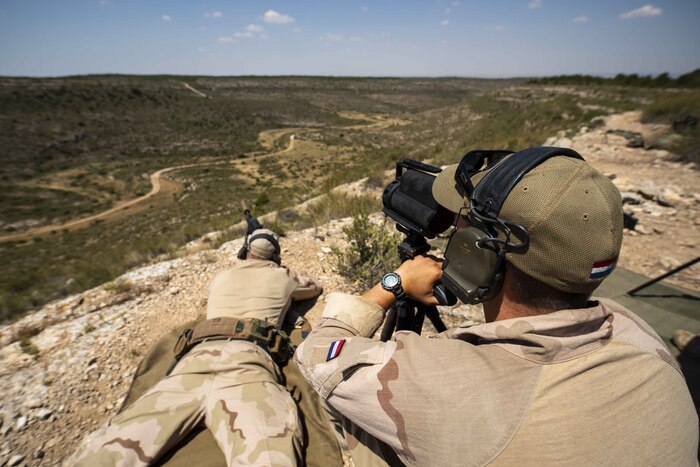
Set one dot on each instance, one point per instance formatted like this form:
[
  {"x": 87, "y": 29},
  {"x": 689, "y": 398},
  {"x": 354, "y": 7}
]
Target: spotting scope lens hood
[{"x": 409, "y": 199}]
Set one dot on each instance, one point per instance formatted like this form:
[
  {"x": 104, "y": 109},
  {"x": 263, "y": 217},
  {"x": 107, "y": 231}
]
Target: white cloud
[
  {"x": 105, "y": 2},
  {"x": 455, "y": 3},
  {"x": 271, "y": 16},
  {"x": 581, "y": 19},
  {"x": 296, "y": 29},
  {"x": 166, "y": 18},
  {"x": 250, "y": 31},
  {"x": 355, "y": 39},
  {"x": 331, "y": 37},
  {"x": 444, "y": 22},
  {"x": 496, "y": 28},
  {"x": 535, "y": 4},
  {"x": 364, "y": 8},
  {"x": 214, "y": 14},
  {"x": 224, "y": 39},
  {"x": 646, "y": 10}
]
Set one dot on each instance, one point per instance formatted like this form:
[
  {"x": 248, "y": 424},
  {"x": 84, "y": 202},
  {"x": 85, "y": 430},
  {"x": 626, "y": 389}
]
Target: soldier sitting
[{"x": 226, "y": 377}]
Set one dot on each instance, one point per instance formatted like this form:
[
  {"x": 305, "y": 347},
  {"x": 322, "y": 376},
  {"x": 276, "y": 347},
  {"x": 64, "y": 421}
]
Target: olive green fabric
[{"x": 200, "y": 449}]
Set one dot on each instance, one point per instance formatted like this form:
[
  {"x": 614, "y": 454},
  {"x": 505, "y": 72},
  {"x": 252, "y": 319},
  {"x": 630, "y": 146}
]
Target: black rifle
[{"x": 253, "y": 225}]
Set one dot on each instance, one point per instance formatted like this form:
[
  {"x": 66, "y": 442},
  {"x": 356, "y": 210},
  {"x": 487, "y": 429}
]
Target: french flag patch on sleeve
[
  {"x": 335, "y": 349},
  {"x": 603, "y": 268}
]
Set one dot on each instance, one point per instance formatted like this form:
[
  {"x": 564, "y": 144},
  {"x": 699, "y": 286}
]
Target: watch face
[{"x": 390, "y": 280}]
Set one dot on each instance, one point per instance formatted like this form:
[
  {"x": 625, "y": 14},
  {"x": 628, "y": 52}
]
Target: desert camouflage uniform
[
  {"x": 231, "y": 386},
  {"x": 593, "y": 386}
]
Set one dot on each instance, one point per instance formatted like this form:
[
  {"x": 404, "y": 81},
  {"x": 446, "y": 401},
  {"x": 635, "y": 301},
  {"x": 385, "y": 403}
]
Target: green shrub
[
  {"x": 371, "y": 252},
  {"x": 26, "y": 346},
  {"x": 119, "y": 286},
  {"x": 669, "y": 109}
]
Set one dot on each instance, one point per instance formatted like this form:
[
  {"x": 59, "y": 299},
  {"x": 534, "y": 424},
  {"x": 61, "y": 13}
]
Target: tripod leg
[
  {"x": 389, "y": 324},
  {"x": 434, "y": 317},
  {"x": 405, "y": 310},
  {"x": 417, "y": 325}
]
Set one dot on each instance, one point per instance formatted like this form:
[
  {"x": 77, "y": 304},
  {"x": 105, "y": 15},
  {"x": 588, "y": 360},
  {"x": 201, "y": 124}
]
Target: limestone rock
[{"x": 15, "y": 460}]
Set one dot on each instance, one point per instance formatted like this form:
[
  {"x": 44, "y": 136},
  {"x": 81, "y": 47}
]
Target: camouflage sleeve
[
  {"x": 347, "y": 368},
  {"x": 307, "y": 287}
]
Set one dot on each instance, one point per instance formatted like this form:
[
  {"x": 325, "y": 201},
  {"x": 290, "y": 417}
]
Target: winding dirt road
[{"x": 267, "y": 139}]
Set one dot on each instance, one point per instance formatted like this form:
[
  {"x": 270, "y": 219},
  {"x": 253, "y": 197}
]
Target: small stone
[
  {"x": 642, "y": 230},
  {"x": 15, "y": 460},
  {"x": 669, "y": 263},
  {"x": 32, "y": 403},
  {"x": 92, "y": 361},
  {"x": 658, "y": 230},
  {"x": 647, "y": 192},
  {"x": 326, "y": 249},
  {"x": 44, "y": 414},
  {"x": 174, "y": 291},
  {"x": 672, "y": 195},
  {"x": 629, "y": 197},
  {"x": 39, "y": 454},
  {"x": 21, "y": 423},
  {"x": 51, "y": 443}
]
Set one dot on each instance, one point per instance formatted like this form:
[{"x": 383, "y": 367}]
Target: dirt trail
[
  {"x": 199, "y": 93},
  {"x": 267, "y": 139}
]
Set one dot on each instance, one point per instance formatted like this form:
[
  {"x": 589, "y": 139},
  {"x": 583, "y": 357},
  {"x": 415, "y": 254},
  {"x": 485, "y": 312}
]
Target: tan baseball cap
[
  {"x": 262, "y": 247},
  {"x": 572, "y": 212}
]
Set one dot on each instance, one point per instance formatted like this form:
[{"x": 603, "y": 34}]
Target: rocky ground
[{"x": 66, "y": 368}]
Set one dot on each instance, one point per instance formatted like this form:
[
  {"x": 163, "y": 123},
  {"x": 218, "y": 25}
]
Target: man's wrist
[{"x": 381, "y": 297}]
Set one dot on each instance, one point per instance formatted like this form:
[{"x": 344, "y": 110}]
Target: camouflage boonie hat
[
  {"x": 572, "y": 212},
  {"x": 262, "y": 247}
]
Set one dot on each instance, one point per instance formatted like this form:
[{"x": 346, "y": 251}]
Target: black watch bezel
[{"x": 396, "y": 289}]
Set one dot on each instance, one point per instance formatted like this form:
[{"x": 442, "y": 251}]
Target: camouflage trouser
[{"x": 232, "y": 387}]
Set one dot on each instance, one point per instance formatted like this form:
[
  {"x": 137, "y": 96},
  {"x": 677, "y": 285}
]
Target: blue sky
[{"x": 495, "y": 38}]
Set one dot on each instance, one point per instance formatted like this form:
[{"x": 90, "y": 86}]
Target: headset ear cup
[{"x": 471, "y": 266}]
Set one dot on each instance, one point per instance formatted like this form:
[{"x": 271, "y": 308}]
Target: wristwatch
[{"x": 391, "y": 282}]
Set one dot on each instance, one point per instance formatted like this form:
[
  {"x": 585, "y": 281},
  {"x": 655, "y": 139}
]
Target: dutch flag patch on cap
[
  {"x": 602, "y": 268},
  {"x": 335, "y": 349}
]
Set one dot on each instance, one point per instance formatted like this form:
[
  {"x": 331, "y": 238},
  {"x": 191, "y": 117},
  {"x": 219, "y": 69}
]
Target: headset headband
[
  {"x": 267, "y": 237},
  {"x": 492, "y": 190}
]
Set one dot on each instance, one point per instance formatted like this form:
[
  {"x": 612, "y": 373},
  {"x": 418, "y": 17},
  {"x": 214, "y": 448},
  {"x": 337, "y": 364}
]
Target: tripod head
[{"x": 408, "y": 314}]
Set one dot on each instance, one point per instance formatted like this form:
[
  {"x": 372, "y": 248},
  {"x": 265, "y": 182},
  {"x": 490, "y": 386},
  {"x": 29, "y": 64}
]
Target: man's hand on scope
[{"x": 418, "y": 276}]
